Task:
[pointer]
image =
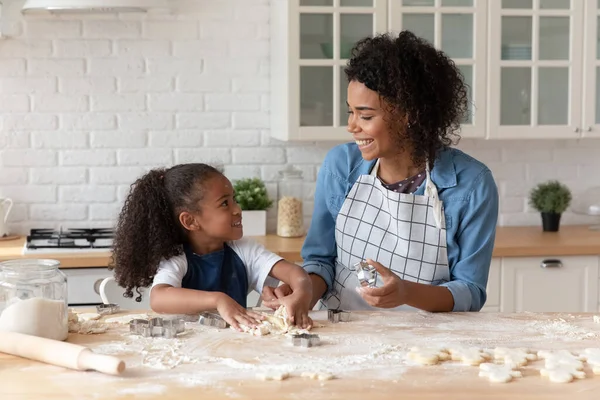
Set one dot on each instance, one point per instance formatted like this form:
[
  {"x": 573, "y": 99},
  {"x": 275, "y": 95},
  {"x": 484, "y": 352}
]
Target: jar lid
[
  {"x": 29, "y": 264},
  {"x": 290, "y": 172}
]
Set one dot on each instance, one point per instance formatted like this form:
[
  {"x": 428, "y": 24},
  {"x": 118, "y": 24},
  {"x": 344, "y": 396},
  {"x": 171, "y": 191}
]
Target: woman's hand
[
  {"x": 392, "y": 294},
  {"x": 235, "y": 314},
  {"x": 271, "y": 295}
]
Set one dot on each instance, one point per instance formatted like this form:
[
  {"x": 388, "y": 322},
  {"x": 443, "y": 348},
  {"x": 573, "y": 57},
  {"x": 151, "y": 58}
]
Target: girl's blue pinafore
[{"x": 219, "y": 271}]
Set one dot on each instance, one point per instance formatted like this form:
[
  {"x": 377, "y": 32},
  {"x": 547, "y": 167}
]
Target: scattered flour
[{"x": 145, "y": 388}]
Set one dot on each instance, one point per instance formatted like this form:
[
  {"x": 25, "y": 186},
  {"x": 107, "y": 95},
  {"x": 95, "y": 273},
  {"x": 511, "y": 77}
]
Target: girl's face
[
  {"x": 219, "y": 216},
  {"x": 367, "y": 121}
]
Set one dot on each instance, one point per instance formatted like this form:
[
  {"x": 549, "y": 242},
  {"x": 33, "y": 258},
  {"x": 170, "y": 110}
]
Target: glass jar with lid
[
  {"x": 33, "y": 298},
  {"x": 290, "y": 218}
]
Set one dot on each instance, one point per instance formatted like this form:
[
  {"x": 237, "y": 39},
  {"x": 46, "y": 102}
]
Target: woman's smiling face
[{"x": 368, "y": 121}]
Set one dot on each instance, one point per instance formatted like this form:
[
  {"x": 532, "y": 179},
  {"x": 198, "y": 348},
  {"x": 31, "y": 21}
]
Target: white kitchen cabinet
[
  {"x": 591, "y": 76},
  {"x": 457, "y": 28},
  {"x": 549, "y": 284},
  {"x": 310, "y": 44},
  {"x": 532, "y": 66},
  {"x": 536, "y": 64},
  {"x": 492, "y": 303}
]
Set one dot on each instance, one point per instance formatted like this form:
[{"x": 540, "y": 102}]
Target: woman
[{"x": 420, "y": 212}]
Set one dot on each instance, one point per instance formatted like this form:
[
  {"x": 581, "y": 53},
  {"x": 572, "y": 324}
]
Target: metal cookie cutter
[
  {"x": 335, "y": 316},
  {"x": 157, "y": 327},
  {"x": 212, "y": 319},
  {"x": 106, "y": 309},
  {"x": 366, "y": 273},
  {"x": 305, "y": 340}
]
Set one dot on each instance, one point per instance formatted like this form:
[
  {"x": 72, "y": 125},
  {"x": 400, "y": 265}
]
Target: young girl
[{"x": 180, "y": 230}]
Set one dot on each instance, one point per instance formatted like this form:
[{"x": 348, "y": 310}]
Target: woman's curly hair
[
  {"x": 148, "y": 228},
  {"x": 422, "y": 86}
]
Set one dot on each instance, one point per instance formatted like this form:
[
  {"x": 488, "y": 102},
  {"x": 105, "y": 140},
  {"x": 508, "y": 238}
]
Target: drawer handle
[{"x": 551, "y": 264}]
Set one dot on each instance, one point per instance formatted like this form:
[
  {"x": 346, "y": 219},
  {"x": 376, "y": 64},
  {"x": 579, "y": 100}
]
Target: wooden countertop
[
  {"x": 510, "y": 242},
  {"x": 367, "y": 356}
]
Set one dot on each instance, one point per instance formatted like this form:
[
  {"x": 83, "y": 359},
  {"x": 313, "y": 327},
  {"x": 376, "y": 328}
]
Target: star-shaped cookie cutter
[
  {"x": 157, "y": 327},
  {"x": 366, "y": 273},
  {"x": 306, "y": 340},
  {"x": 212, "y": 319},
  {"x": 106, "y": 309},
  {"x": 335, "y": 316}
]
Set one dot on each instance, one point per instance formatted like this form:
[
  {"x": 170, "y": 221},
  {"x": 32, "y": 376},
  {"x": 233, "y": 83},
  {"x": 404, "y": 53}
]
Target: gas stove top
[{"x": 69, "y": 240}]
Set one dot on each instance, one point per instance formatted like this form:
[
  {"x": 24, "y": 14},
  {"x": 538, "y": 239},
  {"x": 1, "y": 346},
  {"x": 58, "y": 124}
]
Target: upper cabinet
[
  {"x": 457, "y": 27},
  {"x": 532, "y": 66},
  {"x": 591, "y": 76},
  {"x": 311, "y": 42},
  {"x": 536, "y": 58}
]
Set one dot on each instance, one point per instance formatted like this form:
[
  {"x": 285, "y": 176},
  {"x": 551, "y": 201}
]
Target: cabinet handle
[
  {"x": 551, "y": 264},
  {"x": 588, "y": 129},
  {"x": 576, "y": 130}
]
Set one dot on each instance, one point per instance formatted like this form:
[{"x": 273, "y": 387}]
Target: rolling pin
[{"x": 63, "y": 354}]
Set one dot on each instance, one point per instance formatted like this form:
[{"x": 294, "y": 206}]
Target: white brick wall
[{"x": 88, "y": 104}]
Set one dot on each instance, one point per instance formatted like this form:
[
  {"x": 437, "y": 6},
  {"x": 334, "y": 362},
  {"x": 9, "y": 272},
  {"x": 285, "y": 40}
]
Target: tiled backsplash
[{"x": 89, "y": 103}]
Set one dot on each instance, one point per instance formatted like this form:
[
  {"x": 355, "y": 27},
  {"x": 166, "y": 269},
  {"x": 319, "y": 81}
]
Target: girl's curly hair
[
  {"x": 148, "y": 228},
  {"x": 422, "y": 86}
]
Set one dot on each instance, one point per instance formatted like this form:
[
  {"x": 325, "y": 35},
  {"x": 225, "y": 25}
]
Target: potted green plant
[
  {"x": 251, "y": 194},
  {"x": 551, "y": 199}
]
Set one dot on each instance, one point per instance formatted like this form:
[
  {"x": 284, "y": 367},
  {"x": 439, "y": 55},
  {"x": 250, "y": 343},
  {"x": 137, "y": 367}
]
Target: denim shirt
[{"x": 470, "y": 198}]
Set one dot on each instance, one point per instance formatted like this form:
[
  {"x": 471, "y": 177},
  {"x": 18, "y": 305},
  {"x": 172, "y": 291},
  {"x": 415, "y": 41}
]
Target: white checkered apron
[{"x": 403, "y": 232}]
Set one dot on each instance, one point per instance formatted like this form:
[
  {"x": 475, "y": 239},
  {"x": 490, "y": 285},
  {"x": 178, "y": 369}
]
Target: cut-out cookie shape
[
  {"x": 498, "y": 373},
  {"x": 276, "y": 376},
  {"x": 514, "y": 357},
  {"x": 428, "y": 355},
  {"x": 592, "y": 356},
  {"x": 322, "y": 376},
  {"x": 469, "y": 355},
  {"x": 561, "y": 366}
]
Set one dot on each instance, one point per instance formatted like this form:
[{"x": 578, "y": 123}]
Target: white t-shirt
[{"x": 258, "y": 261}]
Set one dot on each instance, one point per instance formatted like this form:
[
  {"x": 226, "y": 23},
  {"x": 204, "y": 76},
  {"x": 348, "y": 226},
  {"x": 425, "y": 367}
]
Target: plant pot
[
  {"x": 550, "y": 222},
  {"x": 254, "y": 222}
]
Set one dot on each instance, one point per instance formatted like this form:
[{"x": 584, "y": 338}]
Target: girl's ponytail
[{"x": 147, "y": 231}]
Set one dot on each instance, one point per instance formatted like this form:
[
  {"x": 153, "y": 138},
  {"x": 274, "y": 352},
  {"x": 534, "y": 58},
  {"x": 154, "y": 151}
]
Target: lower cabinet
[{"x": 543, "y": 284}]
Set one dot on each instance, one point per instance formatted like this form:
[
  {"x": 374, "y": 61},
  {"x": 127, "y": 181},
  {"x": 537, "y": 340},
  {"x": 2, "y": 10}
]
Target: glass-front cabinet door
[
  {"x": 321, "y": 34},
  {"x": 535, "y": 86},
  {"x": 591, "y": 88},
  {"x": 457, "y": 27}
]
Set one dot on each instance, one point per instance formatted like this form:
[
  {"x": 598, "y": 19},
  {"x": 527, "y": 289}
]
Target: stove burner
[{"x": 79, "y": 238}]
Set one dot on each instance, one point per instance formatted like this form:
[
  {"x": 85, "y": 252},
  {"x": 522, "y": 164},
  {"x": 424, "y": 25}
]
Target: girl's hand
[
  {"x": 271, "y": 295},
  {"x": 392, "y": 294},
  {"x": 297, "y": 306},
  {"x": 235, "y": 314}
]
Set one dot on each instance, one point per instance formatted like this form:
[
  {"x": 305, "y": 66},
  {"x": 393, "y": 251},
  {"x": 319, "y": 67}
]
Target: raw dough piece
[
  {"x": 278, "y": 376},
  {"x": 514, "y": 357},
  {"x": 88, "y": 316},
  {"x": 561, "y": 366},
  {"x": 469, "y": 355},
  {"x": 125, "y": 319},
  {"x": 498, "y": 373},
  {"x": 592, "y": 356},
  {"x": 36, "y": 316},
  {"x": 318, "y": 375},
  {"x": 428, "y": 355},
  {"x": 88, "y": 326},
  {"x": 277, "y": 323},
  {"x": 596, "y": 319}
]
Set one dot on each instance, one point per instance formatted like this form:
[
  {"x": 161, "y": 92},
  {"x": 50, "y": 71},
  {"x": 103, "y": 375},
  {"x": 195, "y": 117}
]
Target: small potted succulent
[
  {"x": 251, "y": 194},
  {"x": 551, "y": 199}
]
